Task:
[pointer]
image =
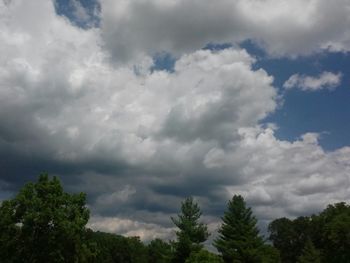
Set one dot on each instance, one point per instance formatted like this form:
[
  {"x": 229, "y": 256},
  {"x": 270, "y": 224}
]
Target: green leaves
[
  {"x": 309, "y": 254},
  {"x": 324, "y": 237},
  {"x": 159, "y": 251},
  {"x": 204, "y": 256},
  {"x": 43, "y": 223}
]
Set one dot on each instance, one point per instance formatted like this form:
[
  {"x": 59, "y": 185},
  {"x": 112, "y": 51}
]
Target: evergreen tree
[
  {"x": 310, "y": 254},
  {"x": 191, "y": 234},
  {"x": 239, "y": 239}
]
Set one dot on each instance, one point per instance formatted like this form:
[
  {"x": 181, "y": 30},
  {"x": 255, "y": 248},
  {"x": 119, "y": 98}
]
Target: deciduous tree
[
  {"x": 159, "y": 251},
  {"x": 309, "y": 254},
  {"x": 44, "y": 224}
]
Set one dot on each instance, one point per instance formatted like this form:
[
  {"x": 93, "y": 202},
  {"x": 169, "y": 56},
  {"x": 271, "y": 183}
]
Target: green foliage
[
  {"x": 269, "y": 254},
  {"x": 239, "y": 239},
  {"x": 44, "y": 224},
  {"x": 137, "y": 250},
  {"x": 310, "y": 254},
  {"x": 118, "y": 249},
  {"x": 289, "y": 237},
  {"x": 191, "y": 232},
  {"x": 203, "y": 256},
  {"x": 334, "y": 222},
  {"x": 329, "y": 233},
  {"x": 159, "y": 251},
  {"x": 9, "y": 233}
]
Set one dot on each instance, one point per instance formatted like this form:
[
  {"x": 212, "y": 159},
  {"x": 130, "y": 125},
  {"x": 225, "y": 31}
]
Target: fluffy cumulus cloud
[
  {"x": 287, "y": 178},
  {"x": 138, "y": 141},
  {"x": 132, "y": 28},
  {"x": 326, "y": 80}
]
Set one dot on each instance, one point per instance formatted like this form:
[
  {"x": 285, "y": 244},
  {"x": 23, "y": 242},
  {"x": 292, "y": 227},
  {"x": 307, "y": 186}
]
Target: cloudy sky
[{"x": 142, "y": 103}]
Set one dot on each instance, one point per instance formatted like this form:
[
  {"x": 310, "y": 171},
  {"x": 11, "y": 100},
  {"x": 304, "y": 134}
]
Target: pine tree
[
  {"x": 310, "y": 254},
  {"x": 192, "y": 233},
  {"x": 239, "y": 239}
]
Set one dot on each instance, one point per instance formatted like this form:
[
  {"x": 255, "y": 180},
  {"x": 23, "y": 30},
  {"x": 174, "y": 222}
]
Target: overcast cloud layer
[{"x": 85, "y": 105}]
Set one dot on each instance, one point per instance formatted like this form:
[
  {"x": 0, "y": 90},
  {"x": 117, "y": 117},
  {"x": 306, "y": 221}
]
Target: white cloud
[
  {"x": 287, "y": 178},
  {"x": 57, "y": 78},
  {"x": 326, "y": 80},
  {"x": 130, "y": 228},
  {"x": 281, "y": 27}
]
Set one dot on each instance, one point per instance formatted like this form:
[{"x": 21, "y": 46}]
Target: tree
[
  {"x": 192, "y": 233},
  {"x": 203, "y": 256},
  {"x": 159, "y": 251},
  {"x": 290, "y": 236},
  {"x": 105, "y": 243},
  {"x": 329, "y": 232},
  {"x": 44, "y": 224},
  {"x": 335, "y": 229},
  {"x": 269, "y": 254},
  {"x": 239, "y": 239},
  {"x": 282, "y": 236},
  {"x": 136, "y": 249},
  {"x": 309, "y": 254},
  {"x": 114, "y": 248}
]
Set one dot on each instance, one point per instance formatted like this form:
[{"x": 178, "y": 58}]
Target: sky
[{"x": 142, "y": 103}]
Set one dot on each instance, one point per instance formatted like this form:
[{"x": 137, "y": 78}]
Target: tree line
[{"x": 42, "y": 223}]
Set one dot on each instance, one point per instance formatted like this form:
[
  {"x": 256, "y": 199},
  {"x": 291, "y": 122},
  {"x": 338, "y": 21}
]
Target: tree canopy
[
  {"x": 204, "y": 256},
  {"x": 328, "y": 232},
  {"x": 309, "y": 254},
  {"x": 44, "y": 224},
  {"x": 159, "y": 251}
]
